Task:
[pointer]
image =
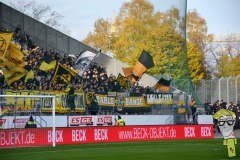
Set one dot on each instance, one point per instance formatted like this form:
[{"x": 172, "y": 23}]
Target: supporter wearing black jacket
[
  {"x": 94, "y": 105},
  {"x": 223, "y": 104},
  {"x": 237, "y": 124},
  {"x": 215, "y": 108},
  {"x": 115, "y": 85},
  {"x": 207, "y": 107}
]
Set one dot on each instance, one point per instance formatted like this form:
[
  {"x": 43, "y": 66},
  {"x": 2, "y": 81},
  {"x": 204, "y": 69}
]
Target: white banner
[{"x": 83, "y": 61}]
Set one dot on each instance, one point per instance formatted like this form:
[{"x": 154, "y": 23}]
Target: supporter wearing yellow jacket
[{"x": 120, "y": 121}]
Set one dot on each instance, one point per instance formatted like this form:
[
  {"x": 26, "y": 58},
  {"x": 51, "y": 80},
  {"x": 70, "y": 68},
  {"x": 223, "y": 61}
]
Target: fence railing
[{"x": 224, "y": 88}]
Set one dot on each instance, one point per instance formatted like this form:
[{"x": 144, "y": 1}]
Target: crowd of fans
[
  {"x": 211, "y": 109},
  {"x": 94, "y": 79}
]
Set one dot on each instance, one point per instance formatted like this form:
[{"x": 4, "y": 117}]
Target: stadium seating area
[{"x": 94, "y": 79}]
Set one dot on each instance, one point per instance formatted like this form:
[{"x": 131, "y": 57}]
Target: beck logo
[
  {"x": 189, "y": 131},
  {"x": 206, "y": 131},
  {"x": 104, "y": 120},
  {"x": 81, "y": 120}
]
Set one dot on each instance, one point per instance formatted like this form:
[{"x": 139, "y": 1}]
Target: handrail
[
  {"x": 170, "y": 119},
  {"x": 198, "y": 112},
  {"x": 41, "y": 119}
]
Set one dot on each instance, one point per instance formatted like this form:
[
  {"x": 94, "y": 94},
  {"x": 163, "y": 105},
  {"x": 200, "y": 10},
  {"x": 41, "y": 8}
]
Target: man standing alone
[
  {"x": 120, "y": 121},
  {"x": 70, "y": 91},
  {"x": 193, "y": 108}
]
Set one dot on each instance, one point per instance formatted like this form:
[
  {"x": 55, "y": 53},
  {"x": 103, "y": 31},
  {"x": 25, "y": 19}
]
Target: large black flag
[
  {"x": 144, "y": 62},
  {"x": 63, "y": 75},
  {"x": 163, "y": 83}
]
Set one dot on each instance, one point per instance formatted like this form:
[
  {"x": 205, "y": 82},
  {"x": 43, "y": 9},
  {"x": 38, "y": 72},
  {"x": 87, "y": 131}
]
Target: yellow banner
[
  {"x": 9, "y": 100},
  {"x": 160, "y": 98},
  {"x": 127, "y": 101},
  {"x": 79, "y": 99},
  {"x": 61, "y": 101},
  {"x": 28, "y": 102},
  {"x": 21, "y": 103}
]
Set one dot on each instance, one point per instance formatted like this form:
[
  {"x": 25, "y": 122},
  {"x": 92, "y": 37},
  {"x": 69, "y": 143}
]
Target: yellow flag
[
  {"x": 14, "y": 74},
  {"x": 121, "y": 79},
  {"x": 63, "y": 75},
  {"x": 34, "y": 49},
  {"x": 29, "y": 75},
  {"x": 45, "y": 66},
  {"x": 52, "y": 65},
  {"x": 6, "y": 63},
  {"x": 15, "y": 52},
  {"x": 5, "y": 39},
  {"x": 9, "y": 61}
]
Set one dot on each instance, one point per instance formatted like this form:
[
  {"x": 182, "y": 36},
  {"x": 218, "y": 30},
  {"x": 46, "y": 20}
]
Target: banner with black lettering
[
  {"x": 42, "y": 104},
  {"x": 121, "y": 101},
  {"x": 160, "y": 98}
]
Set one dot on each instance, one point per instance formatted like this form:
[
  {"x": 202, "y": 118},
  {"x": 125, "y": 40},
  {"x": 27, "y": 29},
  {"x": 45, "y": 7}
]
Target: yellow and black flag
[
  {"x": 30, "y": 73},
  {"x": 15, "y": 52},
  {"x": 63, "y": 75},
  {"x": 5, "y": 39},
  {"x": 163, "y": 83},
  {"x": 48, "y": 63},
  {"x": 123, "y": 81},
  {"x": 144, "y": 62},
  {"x": 14, "y": 74}
]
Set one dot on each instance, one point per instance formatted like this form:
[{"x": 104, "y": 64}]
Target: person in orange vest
[
  {"x": 120, "y": 121},
  {"x": 194, "y": 109}
]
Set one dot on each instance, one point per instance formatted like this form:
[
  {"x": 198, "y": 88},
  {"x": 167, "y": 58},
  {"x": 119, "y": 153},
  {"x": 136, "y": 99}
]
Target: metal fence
[{"x": 225, "y": 88}]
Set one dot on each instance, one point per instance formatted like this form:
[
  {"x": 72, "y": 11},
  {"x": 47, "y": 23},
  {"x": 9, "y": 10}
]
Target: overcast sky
[{"x": 222, "y": 16}]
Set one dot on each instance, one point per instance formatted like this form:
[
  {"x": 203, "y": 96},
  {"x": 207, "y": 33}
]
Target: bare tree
[{"x": 41, "y": 13}]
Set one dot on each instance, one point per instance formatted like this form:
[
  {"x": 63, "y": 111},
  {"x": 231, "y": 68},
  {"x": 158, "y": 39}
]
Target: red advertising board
[{"x": 74, "y": 135}]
